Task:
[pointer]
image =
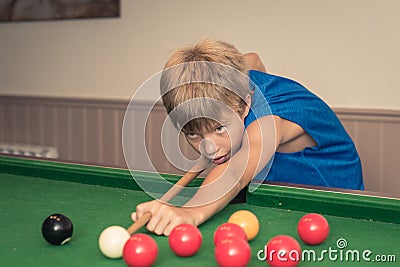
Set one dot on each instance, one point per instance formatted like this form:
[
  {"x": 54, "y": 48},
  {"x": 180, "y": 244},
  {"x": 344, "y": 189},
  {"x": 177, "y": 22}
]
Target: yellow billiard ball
[{"x": 248, "y": 221}]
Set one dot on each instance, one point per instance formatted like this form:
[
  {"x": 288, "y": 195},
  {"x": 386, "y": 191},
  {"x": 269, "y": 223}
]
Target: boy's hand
[{"x": 164, "y": 217}]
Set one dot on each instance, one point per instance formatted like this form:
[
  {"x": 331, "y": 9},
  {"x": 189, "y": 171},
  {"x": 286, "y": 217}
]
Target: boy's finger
[{"x": 140, "y": 209}]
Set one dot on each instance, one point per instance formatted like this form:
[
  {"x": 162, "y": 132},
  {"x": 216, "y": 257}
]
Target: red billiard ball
[
  {"x": 185, "y": 240},
  {"x": 140, "y": 251},
  {"x": 313, "y": 229},
  {"x": 283, "y": 251},
  {"x": 57, "y": 229},
  {"x": 232, "y": 252},
  {"x": 228, "y": 230}
]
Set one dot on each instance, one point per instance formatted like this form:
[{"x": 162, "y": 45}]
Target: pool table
[{"x": 95, "y": 197}]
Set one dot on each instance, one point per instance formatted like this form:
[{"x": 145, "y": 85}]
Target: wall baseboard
[{"x": 88, "y": 130}]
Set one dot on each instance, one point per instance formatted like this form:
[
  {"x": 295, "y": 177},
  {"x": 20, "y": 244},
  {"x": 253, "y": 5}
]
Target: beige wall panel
[
  {"x": 35, "y": 124},
  {"x": 19, "y": 125},
  {"x": 136, "y": 150},
  {"x": 63, "y": 127},
  {"x": 391, "y": 158},
  {"x": 153, "y": 141},
  {"x": 9, "y": 121},
  {"x": 369, "y": 148},
  {"x": 351, "y": 128},
  {"x": 50, "y": 131},
  {"x": 110, "y": 128},
  {"x": 92, "y": 135},
  {"x": 119, "y": 159},
  {"x": 77, "y": 135}
]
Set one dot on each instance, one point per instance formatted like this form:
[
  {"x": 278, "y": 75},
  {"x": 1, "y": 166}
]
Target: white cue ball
[{"x": 112, "y": 241}]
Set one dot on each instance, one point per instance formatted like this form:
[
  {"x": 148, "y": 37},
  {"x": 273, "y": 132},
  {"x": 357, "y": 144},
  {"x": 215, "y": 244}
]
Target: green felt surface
[{"x": 25, "y": 201}]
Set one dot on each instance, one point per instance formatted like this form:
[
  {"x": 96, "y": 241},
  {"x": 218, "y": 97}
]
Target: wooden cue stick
[{"x": 172, "y": 192}]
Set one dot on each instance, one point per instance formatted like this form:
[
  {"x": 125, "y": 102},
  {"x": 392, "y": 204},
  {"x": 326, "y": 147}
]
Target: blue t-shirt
[{"x": 334, "y": 162}]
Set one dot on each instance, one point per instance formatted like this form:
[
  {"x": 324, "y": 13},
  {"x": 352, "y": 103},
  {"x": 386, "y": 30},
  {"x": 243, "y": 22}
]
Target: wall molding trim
[{"x": 368, "y": 114}]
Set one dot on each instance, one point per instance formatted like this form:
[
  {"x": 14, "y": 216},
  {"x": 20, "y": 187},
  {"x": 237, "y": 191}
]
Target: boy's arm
[
  {"x": 256, "y": 151},
  {"x": 254, "y": 62}
]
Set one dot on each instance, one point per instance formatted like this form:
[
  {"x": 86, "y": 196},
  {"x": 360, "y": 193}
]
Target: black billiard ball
[{"x": 57, "y": 229}]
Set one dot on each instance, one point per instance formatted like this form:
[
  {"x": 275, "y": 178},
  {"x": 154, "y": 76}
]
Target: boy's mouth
[{"x": 220, "y": 160}]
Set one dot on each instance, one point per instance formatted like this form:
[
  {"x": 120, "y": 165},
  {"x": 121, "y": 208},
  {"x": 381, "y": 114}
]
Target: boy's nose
[{"x": 208, "y": 147}]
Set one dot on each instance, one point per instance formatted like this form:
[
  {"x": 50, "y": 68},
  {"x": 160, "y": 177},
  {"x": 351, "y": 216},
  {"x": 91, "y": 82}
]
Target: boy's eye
[
  {"x": 192, "y": 135},
  {"x": 220, "y": 129}
]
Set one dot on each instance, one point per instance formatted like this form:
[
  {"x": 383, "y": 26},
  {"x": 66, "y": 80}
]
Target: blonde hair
[{"x": 207, "y": 70}]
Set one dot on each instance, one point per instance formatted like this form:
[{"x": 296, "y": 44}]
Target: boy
[{"x": 279, "y": 130}]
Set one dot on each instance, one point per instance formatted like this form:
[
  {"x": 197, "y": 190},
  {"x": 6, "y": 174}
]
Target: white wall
[{"x": 346, "y": 51}]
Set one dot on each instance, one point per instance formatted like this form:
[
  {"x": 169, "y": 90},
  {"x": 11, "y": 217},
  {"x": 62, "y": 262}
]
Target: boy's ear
[{"x": 247, "y": 108}]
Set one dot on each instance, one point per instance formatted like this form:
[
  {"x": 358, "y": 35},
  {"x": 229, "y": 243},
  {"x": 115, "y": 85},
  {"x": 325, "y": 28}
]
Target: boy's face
[{"x": 220, "y": 142}]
